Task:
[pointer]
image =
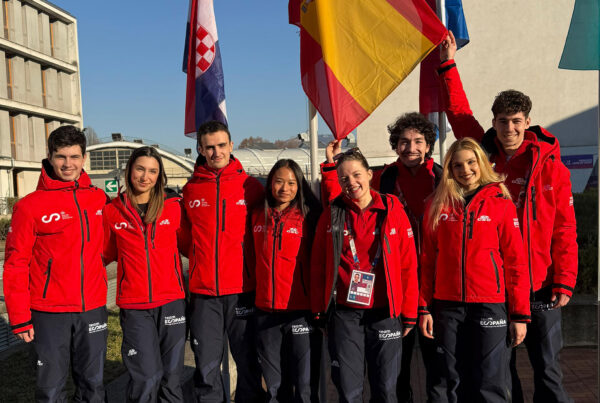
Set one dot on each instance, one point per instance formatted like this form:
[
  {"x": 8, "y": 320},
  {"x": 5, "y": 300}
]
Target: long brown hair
[
  {"x": 449, "y": 193},
  {"x": 157, "y": 194}
]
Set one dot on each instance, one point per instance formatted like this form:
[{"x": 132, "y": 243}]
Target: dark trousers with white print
[
  {"x": 543, "y": 342},
  {"x": 76, "y": 338},
  {"x": 475, "y": 345},
  {"x": 288, "y": 350},
  {"x": 359, "y": 335},
  {"x": 211, "y": 319},
  {"x": 153, "y": 352}
]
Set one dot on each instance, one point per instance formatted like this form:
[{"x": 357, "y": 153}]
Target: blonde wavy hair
[{"x": 449, "y": 192}]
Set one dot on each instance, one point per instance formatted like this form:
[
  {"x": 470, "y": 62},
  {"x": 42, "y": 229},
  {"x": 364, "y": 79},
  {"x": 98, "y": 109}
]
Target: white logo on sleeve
[
  {"x": 409, "y": 232},
  {"x": 516, "y": 222},
  {"x": 571, "y": 201}
]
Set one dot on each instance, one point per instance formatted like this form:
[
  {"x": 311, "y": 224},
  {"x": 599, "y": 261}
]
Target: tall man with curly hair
[{"x": 540, "y": 187}]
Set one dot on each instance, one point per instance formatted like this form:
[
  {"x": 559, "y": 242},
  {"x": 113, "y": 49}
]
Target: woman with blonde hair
[{"x": 474, "y": 278}]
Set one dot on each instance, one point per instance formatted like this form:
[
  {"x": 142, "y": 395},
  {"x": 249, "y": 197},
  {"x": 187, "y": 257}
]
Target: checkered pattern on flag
[{"x": 205, "y": 93}]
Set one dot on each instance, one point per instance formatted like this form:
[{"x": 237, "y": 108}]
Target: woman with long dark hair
[
  {"x": 472, "y": 268},
  {"x": 364, "y": 279},
  {"x": 282, "y": 234},
  {"x": 141, "y": 228}
]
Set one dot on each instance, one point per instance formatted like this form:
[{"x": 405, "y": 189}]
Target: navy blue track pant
[
  {"x": 153, "y": 352},
  {"x": 357, "y": 336},
  {"x": 288, "y": 350},
  {"x": 434, "y": 383},
  {"x": 76, "y": 338},
  {"x": 473, "y": 338},
  {"x": 210, "y": 319},
  {"x": 543, "y": 342}
]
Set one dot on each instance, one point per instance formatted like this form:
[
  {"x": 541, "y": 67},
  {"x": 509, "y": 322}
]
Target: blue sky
[{"x": 131, "y": 53}]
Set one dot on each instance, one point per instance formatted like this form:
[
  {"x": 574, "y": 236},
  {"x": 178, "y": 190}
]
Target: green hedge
[
  {"x": 586, "y": 210},
  {"x": 4, "y": 225}
]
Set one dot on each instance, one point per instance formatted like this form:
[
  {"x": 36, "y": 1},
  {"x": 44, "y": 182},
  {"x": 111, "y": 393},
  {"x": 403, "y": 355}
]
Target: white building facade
[{"x": 40, "y": 87}]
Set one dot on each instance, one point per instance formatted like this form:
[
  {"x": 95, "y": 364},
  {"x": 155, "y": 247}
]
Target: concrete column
[
  {"x": 15, "y": 21},
  {"x": 2, "y": 21},
  {"x": 34, "y": 89},
  {"x": 44, "y": 27},
  {"x": 52, "y": 125},
  {"x": 19, "y": 92},
  {"x": 3, "y": 87},
  {"x": 64, "y": 90},
  {"x": 52, "y": 89},
  {"x": 75, "y": 95},
  {"x": 38, "y": 138},
  {"x": 27, "y": 182},
  {"x": 4, "y": 133},
  {"x": 6, "y": 189},
  {"x": 22, "y": 137},
  {"x": 30, "y": 15},
  {"x": 59, "y": 30}
]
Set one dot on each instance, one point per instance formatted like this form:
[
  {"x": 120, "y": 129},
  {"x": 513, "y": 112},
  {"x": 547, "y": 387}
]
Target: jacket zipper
[
  {"x": 153, "y": 233},
  {"x": 122, "y": 276},
  {"x": 217, "y": 237},
  {"x": 87, "y": 224},
  {"x": 177, "y": 273},
  {"x": 496, "y": 270},
  {"x": 273, "y": 257},
  {"x": 533, "y": 209},
  {"x": 223, "y": 215},
  {"x": 463, "y": 269},
  {"x": 47, "y": 277},
  {"x": 145, "y": 232},
  {"x": 387, "y": 272},
  {"x": 471, "y": 223},
  {"x": 529, "y": 229},
  {"x": 82, "y": 243}
]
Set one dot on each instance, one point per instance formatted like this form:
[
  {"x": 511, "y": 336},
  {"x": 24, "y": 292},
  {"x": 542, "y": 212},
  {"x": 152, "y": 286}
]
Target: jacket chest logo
[
  {"x": 293, "y": 231},
  {"x": 198, "y": 203},
  {"x": 121, "y": 225},
  {"x": 165, "y": 222},
  {"x": 99, "y": 212},
  {"x": 48, "y": 218},
  {"x": 260, "y": 228},
  {"x": 518, "y": 181},
  {"x": 484, "y": 218},
  {"x": 241, "y": 202},
  {"x": 448, "y": 217}
]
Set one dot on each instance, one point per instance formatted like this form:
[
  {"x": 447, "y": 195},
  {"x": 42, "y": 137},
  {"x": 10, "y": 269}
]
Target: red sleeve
[
  {"x": 427, "y": 260},
  {"x": 456, "y": 103},
  {"x": 516, "y": 271},
  {"x": 410, "y": 284},
  {"x": 19, "y": 244},
  {"x": 109, "y": 252},
  {"x": 564, "y": 234},
  {"x": 330, "y": 187},
  {"x": 318, "y": 269}
]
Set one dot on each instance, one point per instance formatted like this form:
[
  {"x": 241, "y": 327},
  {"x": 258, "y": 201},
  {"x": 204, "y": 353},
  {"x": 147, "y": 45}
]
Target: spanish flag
[{"x": 354, "y": 53}]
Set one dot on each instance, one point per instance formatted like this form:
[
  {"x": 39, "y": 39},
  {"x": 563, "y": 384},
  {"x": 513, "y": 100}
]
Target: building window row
[{"x": 108, "y": 159}]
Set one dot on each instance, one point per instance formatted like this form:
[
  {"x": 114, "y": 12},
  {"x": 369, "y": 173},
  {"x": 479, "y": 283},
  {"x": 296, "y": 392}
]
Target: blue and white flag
[{"x": 205, "y": 93}]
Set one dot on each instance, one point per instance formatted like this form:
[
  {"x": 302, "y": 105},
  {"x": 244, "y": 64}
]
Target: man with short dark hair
[
  {"x": 54, "y": 280},
  {"x": 412, "y": 178},
  {"x": 218, "y": 199},
  {"x": 540, "y": 186}
]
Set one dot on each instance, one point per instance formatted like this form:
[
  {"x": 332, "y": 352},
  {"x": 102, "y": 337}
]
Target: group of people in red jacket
[{"x": 479, "y": 253}]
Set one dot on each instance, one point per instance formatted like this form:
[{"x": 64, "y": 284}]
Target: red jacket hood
[{"x": 46, "y": 182}]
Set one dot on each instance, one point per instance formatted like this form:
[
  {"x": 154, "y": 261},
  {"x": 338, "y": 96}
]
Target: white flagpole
[
  {"x": 314, "y": 147},
  {"x": 441, "y": 7}
]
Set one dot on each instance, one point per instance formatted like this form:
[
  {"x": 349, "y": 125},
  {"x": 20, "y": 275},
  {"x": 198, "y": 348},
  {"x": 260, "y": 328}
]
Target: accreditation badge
[{"x": 361, "y": 287}]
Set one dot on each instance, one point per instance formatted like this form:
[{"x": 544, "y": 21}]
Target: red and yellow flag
[{"x": 354, "y": 53}]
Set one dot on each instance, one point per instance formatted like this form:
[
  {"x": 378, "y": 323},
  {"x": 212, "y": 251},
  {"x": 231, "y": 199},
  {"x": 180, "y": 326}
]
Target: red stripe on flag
[
  {"x": 422, "y": 17},
  {"x": 190, "y": 99},
  {"x": 325, "y": 91}
]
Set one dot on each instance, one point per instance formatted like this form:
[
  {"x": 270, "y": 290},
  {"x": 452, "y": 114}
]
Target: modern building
[{"x": 39, "y": 87}]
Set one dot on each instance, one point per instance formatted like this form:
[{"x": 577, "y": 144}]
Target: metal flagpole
[
  {"x": 314, "y": 147},
  {"x": 441, "y": 8}
]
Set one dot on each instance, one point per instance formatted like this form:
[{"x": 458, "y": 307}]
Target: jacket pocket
[
  {"x": 122, "y": 276},
  {"x": 193, "y": 255},
  {"x": 496, "y": 271},
  {"x": 47, "y": 277},
  {"x": 177, "y": 272},
  {"x": 87, "y": 224}
]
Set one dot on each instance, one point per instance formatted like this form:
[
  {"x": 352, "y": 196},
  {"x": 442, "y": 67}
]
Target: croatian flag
[{"x": 205, "y": 93}]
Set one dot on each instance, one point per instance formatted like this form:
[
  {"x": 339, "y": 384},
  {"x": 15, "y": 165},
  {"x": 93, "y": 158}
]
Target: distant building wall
[{"x": 39, "y": 87}]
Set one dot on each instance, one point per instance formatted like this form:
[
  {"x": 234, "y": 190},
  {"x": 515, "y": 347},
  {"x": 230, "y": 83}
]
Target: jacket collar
[{"x": 47, "y": 182}]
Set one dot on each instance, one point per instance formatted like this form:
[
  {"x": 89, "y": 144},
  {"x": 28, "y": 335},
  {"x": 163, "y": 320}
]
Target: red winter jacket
[
  {"x": 476, "y": 255},
  {"x": 216, "y": 205},
  {"x": 545, "y": 202},
  {"x": 280, "y": 255},
  {"x": 398, "y": 254},
  {"x": 52, "y": 258},
  {"x": 148, "y": 263}
]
